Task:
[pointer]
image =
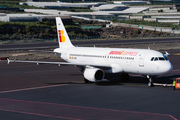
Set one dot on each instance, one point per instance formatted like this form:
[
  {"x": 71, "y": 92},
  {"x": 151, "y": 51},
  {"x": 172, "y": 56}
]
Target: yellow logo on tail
[{"x": 61, "y": 36}]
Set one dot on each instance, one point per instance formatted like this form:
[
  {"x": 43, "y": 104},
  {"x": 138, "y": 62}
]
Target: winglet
[
  {"x": 166, "y": 53},
  {"x": 8, "y": 60}
]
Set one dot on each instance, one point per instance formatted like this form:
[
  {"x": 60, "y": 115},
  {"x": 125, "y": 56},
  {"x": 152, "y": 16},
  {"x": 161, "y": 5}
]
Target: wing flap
[
  {"x": 42, "y": 51},
  {"x": 40, "y": 62}
]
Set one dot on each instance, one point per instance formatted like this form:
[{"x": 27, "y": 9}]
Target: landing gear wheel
[
  {"x": 124, "y": 77},
  {"x": 86, "y": 81},
  {"x": 150, "y": 84}
]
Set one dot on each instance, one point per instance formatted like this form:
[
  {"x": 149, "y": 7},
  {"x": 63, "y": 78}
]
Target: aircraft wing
[
  {"x": 61, "y": 63},
  {"x": 42, "y": 51},
  {"x": 46, "y": 52}
]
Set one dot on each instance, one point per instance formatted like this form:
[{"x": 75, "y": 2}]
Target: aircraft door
[
  {"x": 66, "y": 55},
  {"x": 141, "y": 59},
  {"x": 107, "y": 58}
]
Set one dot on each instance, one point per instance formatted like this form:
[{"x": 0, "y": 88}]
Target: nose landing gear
[{"x": 150, "y": 83}]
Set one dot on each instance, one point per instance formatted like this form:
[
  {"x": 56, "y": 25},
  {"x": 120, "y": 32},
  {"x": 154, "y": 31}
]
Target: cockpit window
[
  {"x": 161, "y": 59},
  {"x": 156, "y": 59},
  {"x": 164, "y": 58},
  {"x": 152, "y": 58}
]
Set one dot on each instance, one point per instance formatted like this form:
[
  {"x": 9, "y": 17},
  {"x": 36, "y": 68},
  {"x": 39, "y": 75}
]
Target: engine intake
[{"x": 94, "y": 74}]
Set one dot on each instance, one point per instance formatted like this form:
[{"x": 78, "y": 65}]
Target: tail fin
[{"x": 63, "y": 37}]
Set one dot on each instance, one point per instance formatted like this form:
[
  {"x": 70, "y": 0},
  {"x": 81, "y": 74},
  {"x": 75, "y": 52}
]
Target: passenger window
[
  {"x": 152, "y": 58},
  {"x": 156, "y": 59}
]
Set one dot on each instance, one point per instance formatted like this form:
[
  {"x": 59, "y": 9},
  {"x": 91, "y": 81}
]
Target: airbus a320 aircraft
[{"x": 94, "y": 62}]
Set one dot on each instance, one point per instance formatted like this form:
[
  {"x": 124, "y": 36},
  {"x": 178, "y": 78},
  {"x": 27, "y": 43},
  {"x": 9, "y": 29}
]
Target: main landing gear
[
  {"x": 150, "y": 83},
  {"x": 124, "y": 77}
]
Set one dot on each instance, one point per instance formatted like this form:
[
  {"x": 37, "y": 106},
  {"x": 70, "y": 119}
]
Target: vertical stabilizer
[{"x": 63, "y": 38}]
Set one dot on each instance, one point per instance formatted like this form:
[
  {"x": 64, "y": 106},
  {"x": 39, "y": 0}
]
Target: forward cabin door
[
  {"x": 107, "y": 57},
  {"x": 141, "y": 59}
]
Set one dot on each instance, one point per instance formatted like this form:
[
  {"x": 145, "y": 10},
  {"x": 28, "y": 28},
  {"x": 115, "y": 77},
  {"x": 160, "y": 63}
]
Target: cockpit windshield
[
  {"x": 155, "y": 59},
  {"x": 152, "y": 58},
  {"x": 164, "y": 58},
  {"x": 161, "y": 59},
  {"x": 178, "y": 81}
]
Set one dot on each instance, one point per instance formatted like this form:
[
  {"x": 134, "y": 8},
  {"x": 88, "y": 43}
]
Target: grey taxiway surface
[
  {"x": 46, "y": 45},
  {"x": 49, "y": 92}
]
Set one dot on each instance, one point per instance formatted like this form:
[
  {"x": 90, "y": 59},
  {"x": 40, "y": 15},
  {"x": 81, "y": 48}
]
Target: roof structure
[
  {"x": 109, "y": 7},
  {"x": 62, "y": 4},
  {"x": 162, "y": 14},
  {"x": 29, "y": 17},
  {"x": 130, "y": 2},
  {"x": 55, "y": 12},
  {"x": 106, "y": 12}
]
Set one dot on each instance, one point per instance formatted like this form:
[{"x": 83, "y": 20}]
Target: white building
[
  {"x": 62, "y": 5},
  {"x": 110, "y": 7},
  {"x": 130, "y": 2},
  {"x": 105, "y": 15},
  {"x": 29, "y": 17}
]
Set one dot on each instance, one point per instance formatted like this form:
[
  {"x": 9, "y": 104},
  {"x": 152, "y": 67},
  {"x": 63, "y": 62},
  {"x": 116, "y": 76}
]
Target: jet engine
[{"x": 94, "y": 74}]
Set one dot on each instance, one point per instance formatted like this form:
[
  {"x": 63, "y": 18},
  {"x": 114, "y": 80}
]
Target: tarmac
[
  {"x": 49, "y": 92},
  {"x": 50, "y": 45}
]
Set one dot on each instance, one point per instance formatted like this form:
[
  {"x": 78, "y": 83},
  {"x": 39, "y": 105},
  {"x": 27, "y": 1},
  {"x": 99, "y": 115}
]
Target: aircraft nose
[{"x": 168, "y": 67}]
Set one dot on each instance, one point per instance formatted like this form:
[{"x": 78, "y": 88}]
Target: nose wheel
[{"x": 150, "y": 83}]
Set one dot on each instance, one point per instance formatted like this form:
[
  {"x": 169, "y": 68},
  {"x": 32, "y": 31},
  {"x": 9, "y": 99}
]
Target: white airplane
[{"x": 96, "y": 62}]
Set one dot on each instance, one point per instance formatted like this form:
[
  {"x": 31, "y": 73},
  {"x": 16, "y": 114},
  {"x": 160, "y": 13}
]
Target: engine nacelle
[{"x": 94, "y": 74}]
